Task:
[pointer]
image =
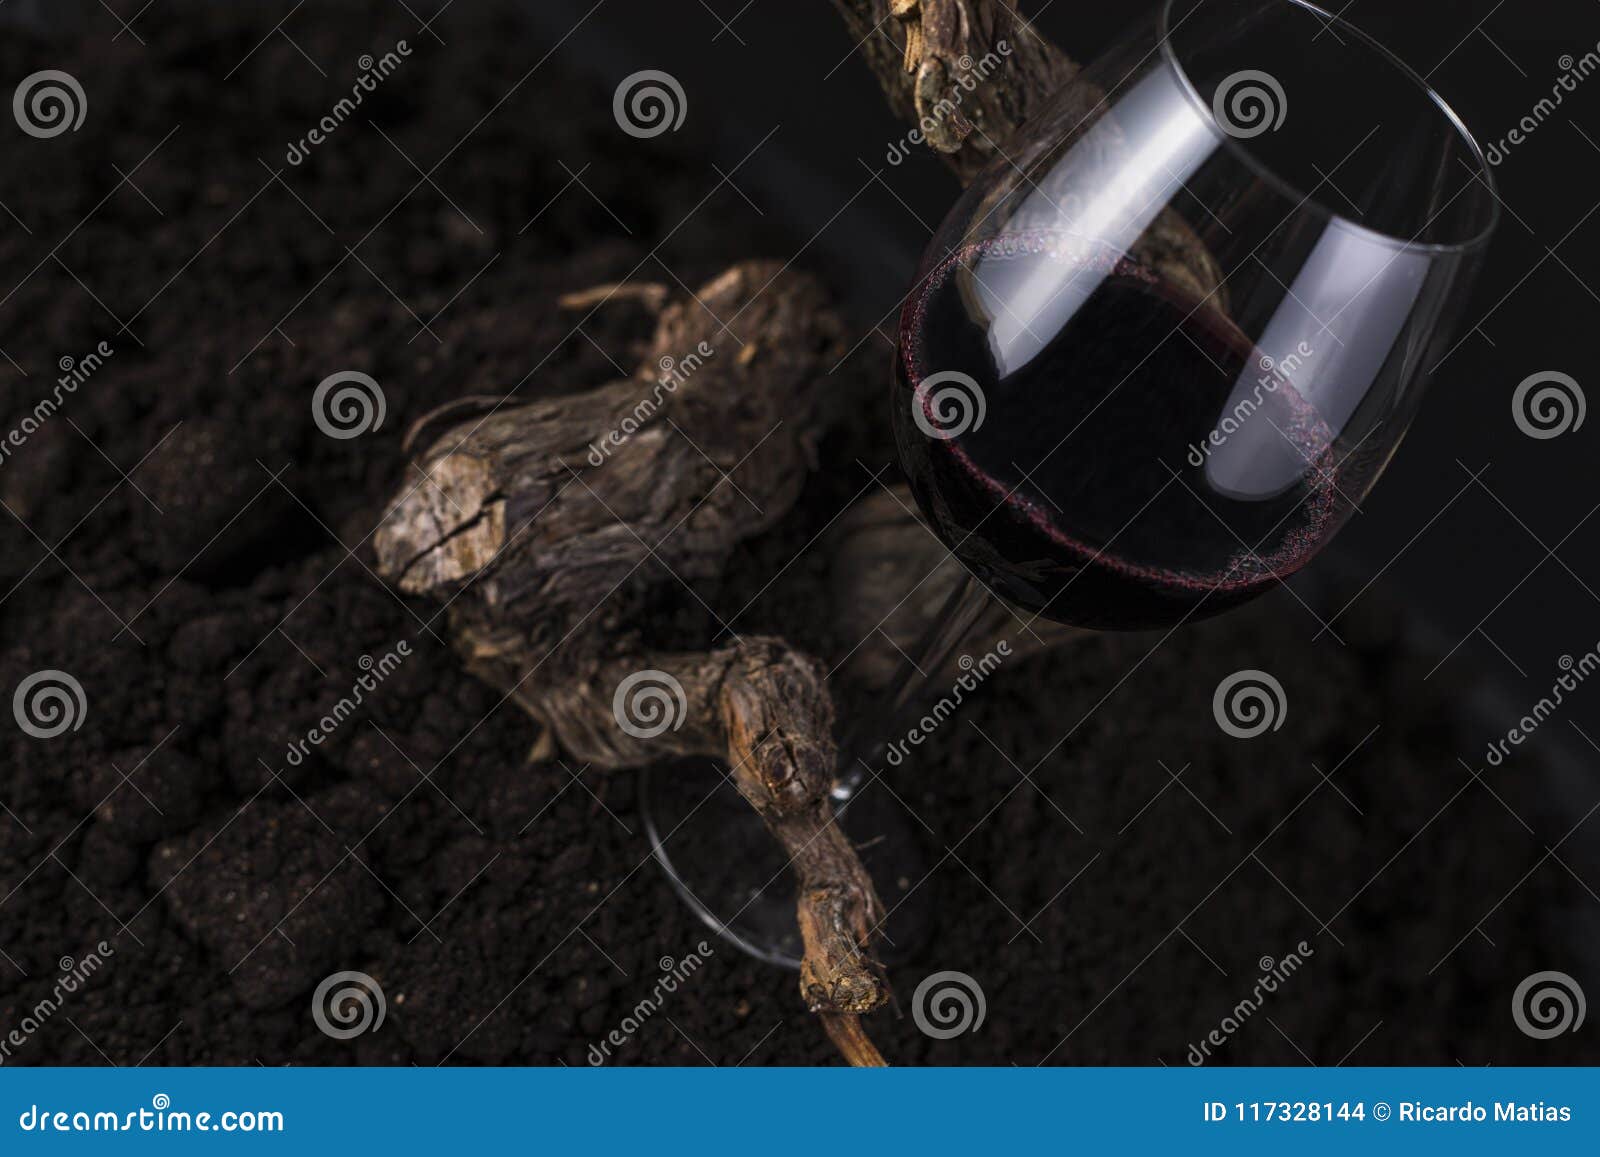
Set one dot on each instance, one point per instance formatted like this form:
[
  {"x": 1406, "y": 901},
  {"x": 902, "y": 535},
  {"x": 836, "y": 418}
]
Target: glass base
[{"x": 729, "y": 869}]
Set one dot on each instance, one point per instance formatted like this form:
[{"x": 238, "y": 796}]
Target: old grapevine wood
[{"x": 552, "y": 563}]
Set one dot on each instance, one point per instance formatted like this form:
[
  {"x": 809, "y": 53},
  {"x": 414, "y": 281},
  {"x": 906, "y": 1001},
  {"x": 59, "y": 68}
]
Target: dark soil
[{"x": 216, "y": 602}]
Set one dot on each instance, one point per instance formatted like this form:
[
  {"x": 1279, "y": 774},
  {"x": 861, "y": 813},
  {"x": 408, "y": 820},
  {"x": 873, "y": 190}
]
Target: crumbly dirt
[{"x": 217, "y": 601}]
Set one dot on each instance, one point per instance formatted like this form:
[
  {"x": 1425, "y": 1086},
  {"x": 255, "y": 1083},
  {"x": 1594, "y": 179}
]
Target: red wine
[{"x": 1100, "y": 446}]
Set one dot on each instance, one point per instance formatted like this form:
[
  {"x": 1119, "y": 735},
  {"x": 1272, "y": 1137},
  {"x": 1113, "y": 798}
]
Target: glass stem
[{"x": 871, "y": 732}]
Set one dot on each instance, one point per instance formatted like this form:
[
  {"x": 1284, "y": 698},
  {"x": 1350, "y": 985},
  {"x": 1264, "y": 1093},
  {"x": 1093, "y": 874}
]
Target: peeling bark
[{"x": 553, "y": 527}]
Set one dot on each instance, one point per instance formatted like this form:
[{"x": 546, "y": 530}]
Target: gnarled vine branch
[{"x": 554, "y": 528}]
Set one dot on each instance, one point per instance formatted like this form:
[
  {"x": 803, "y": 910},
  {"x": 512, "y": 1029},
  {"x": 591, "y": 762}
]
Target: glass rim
[{"x": 1247, "y": 157}]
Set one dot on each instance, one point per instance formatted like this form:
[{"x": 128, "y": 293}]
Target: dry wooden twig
[
  {"x": 532, "y": 513},
  {"x": 920, "y": 48},
  {"x": 556, "y": 528}
]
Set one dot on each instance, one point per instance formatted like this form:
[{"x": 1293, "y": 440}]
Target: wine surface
[{"x": 1098, "y": 445}]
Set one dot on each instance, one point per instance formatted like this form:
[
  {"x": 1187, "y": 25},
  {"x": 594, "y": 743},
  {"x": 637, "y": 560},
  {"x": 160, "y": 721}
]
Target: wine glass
[{"x": 1158, "y": 353}]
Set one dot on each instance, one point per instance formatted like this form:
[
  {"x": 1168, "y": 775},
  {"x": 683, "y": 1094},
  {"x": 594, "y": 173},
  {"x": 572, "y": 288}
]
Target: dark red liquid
[{"x": 1079, "y": 497}]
